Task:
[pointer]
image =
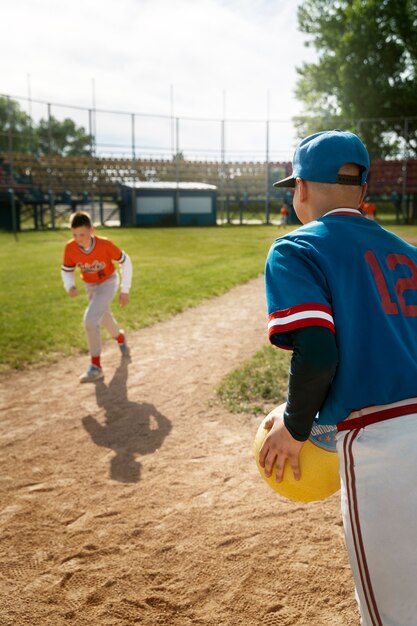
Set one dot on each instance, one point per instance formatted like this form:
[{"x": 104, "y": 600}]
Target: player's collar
[
  {"x": 343, "y": 211},
  {"x": 91, "y": 246}
]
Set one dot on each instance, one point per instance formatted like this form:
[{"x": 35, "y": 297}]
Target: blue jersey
[{"x": 348, "y": 274}]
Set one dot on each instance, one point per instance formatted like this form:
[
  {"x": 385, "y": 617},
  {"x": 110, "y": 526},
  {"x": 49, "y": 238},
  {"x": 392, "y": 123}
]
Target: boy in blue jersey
[{"x": 342, "y": 294}]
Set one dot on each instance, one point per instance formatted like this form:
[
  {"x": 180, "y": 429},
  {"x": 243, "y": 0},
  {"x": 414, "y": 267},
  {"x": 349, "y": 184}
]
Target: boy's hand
[
  {"x": 123, "y": 299},
  {"x": 73, "y": 292},
  {"x": 278, "y": 446}
]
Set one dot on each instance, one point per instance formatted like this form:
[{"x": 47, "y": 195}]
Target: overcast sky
[{"x": 182, "y": 58}]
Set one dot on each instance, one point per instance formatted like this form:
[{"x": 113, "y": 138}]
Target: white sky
[{"x": 192, "y": 58}]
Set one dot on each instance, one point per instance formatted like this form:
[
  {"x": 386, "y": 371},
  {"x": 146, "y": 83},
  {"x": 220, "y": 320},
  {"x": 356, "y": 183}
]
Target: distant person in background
[
  {"x": 396, "y": 200},
  {"x": 283, "y": 215},
  {"x": 369, "y": 208},
  {"x": 288, "y": 201}
]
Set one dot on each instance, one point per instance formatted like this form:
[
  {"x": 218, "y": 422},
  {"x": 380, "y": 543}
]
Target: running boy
[{"x": 94, "y": 256}]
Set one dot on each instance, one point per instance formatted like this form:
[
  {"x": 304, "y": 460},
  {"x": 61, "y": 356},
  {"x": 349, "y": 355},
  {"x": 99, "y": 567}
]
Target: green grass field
[{"x": 174, "y": 268}]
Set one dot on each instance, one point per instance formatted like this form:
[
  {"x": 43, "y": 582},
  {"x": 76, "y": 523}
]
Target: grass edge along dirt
[{"x": 258, "y": 385}]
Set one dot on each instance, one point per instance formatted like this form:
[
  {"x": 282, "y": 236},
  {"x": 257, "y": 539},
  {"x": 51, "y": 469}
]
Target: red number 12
[{"x": 402, "y": 284}]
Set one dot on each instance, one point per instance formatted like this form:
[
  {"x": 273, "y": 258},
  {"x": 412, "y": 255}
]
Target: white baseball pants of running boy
[
  {"x": 378, "y": 467},
  {"x": 100, "y": 296}
]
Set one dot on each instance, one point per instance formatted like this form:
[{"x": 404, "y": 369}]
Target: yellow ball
[{"x": 319, "y": 471}]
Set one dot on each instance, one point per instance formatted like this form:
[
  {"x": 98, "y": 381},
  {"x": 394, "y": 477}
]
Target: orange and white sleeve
[
  {"x": 68, "y": 272},
  {"x": 126, "y": 272},
  {"x": 125, "y": 266}
]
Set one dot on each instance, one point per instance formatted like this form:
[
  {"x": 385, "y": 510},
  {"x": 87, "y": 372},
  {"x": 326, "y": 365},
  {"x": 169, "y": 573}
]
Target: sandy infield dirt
[{"x": 136, "y": 500}]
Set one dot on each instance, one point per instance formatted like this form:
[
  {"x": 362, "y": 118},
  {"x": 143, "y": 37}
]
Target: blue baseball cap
[{"x": 319, "y": 158}]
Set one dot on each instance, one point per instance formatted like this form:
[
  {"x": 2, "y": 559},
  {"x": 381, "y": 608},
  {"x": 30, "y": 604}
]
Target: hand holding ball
[{"x": 319, "y": 464}]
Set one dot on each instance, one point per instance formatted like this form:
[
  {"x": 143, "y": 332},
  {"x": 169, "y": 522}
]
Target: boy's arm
[
  {"x": 68, "y": 278},
  {"x": 126, "y": 271},
  {"x": 313, "y": 366},
  {"x": 68, "y": 272}
]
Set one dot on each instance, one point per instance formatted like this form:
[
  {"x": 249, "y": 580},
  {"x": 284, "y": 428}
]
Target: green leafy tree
[
  {"x": 19, "y": 133},
  {"x": 16, "y": 131},
  {"x": 64, "y": 138},
  {"x": 365, "y": 77}
]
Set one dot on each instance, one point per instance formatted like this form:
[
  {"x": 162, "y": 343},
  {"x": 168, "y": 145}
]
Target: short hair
[{"x": 80, "y": 218}]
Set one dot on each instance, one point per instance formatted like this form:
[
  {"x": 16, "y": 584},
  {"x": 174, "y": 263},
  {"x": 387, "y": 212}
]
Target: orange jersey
[
  {"x": 369, "y": 208},
  {"x": 96, "y": 263}
]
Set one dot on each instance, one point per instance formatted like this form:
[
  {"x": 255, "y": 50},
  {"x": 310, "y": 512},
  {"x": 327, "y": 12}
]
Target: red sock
[
  {"x": 95, "y": 360},
  {"x": 120, "y": 338}
]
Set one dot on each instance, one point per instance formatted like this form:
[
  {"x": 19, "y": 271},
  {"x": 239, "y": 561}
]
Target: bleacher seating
[{"x": 102, "y": 176}]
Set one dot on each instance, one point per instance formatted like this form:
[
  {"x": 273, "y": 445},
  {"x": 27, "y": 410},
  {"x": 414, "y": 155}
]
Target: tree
[
  {"x": 365, "y": 77},
  {"x": 63, "y": 138},
  {"x": 16, "y": 130},
  {"x": 19, "y": 133}
]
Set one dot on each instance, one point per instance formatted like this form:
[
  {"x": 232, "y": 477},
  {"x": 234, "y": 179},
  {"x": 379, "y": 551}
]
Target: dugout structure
[{"x": 168, "y": 204}]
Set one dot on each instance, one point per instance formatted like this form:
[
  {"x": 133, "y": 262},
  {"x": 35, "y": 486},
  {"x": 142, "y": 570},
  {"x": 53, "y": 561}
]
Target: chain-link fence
[{"x": 41, "y": 178}]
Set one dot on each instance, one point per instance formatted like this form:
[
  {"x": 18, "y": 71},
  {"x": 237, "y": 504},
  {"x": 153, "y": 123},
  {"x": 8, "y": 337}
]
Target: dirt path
[{"x": 137, "y": 500}]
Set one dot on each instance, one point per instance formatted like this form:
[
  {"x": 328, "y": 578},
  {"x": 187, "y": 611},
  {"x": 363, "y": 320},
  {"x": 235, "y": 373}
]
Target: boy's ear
[{"x": 302, "y": 189}]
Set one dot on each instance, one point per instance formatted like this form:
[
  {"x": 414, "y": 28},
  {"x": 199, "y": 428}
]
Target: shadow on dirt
[{"x": 130, "y": 428}]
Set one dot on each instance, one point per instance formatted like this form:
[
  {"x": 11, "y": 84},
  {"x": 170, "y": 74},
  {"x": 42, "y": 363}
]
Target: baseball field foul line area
[{"x": 136, "y": 500}]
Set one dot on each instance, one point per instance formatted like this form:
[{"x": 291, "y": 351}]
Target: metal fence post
[
  {"x": 404, "y": 173},
  {"x": 177, "y": 171},
  {"x": 50, "y": 192},
  {"x": 10, "y": 146},
  {"x": 133, "y": 199},
  {"x": 222, "y": 170},
  {"x": 267, "y": 208}
]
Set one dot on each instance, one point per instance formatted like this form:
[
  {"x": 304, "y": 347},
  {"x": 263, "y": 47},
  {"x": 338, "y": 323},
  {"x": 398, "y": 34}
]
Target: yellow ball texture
[{"x": 319, "y": 472}]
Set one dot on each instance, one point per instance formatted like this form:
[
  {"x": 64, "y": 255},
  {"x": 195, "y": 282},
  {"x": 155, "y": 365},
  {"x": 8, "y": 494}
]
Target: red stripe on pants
[{"x": 350, "y": 479}]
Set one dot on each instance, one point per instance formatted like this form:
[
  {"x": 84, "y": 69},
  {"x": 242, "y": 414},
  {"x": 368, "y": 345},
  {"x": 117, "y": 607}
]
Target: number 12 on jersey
[{"x": 401, "y": 285}]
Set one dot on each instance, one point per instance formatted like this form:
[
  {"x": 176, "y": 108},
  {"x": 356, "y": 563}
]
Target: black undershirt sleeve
[{"x": 313, "y": 365}]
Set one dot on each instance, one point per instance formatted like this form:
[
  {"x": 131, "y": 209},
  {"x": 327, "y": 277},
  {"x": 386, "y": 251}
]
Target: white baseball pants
[
  {"x": 98, "y": 312},
  {"x": 378, "y": 466}
]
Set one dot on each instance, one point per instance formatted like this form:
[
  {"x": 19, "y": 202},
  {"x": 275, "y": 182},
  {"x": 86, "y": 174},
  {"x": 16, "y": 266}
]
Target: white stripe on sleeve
[
  {"x": 126, "y": 271},
  {"x": 68, "y": 278},
  {"x": 280, "y": 322}
]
